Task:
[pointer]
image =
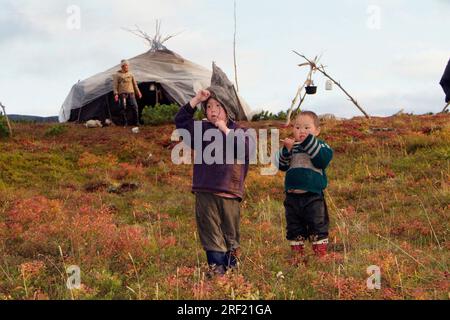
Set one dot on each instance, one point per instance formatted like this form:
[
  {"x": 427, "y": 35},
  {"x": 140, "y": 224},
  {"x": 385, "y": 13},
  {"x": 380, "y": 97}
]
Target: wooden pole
[
  {"x": 7, "y": 119},
  {"x": 234, "y": 49},
  {"x": 301, "y": 102},
  {"x": 294, "y": 101},
  {"x": 322, "y": 71}
]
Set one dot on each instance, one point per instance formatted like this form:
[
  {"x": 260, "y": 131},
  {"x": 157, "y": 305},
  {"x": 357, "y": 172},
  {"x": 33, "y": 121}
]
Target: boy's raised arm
[
  {"x": 283, "y": 158},
  {"x": 185, "y": 117},
  {"x": 321, "y": 153}
]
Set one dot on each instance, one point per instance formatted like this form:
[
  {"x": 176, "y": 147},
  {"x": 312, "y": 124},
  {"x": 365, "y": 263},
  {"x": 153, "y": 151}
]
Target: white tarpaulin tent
[{"x": 163, "y": 76}]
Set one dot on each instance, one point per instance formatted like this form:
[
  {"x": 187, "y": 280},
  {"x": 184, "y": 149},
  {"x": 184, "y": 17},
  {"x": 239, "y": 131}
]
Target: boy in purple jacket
[{"x": 218, "y": 187}]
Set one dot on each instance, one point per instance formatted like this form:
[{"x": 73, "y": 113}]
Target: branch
[
  {"x": 157, "y": 41},
  {"x": 445, "y": 108},
  {"x": 312, "y": 66},
  {"x": 321, "y": 69},
  {"x": 300, "y": 103},
  {"x": 7, "y": 119},
  {"x": 234, "y": 49},
  {"x": 294, "y": 102}
]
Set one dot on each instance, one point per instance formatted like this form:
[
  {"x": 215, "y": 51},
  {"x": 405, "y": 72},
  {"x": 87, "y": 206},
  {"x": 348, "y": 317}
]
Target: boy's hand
[
  {"x": 222, "y": 126},
  {"x": 201, "y": 96},
  {"x": 289, "y": 143}
]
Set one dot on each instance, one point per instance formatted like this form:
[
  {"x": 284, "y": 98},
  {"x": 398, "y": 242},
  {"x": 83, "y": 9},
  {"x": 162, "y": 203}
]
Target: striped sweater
[{"x": 305, "y": 165}]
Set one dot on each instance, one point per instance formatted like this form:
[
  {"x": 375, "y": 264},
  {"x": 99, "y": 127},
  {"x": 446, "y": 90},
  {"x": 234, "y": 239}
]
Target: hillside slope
[{"x": 114, "y": 204}]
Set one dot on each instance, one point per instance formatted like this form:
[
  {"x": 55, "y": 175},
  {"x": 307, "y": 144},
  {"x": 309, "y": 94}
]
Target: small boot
[
  {"x": 320, "y": 247},
  {"x": 298, "y": 252},
  {"x": 216, "y": 262}
]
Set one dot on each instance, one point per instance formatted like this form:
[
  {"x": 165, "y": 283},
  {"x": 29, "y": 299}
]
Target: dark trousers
[
  {"x": 306, "y": 217},
  {"x": 129, "y": 109}
]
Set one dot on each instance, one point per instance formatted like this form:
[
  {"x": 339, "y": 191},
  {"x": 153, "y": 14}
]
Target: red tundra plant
[
  {"x": 132, "y": 240},
  {"x": 2, "y": 234},
  {"x": 93, "y": 234},
  {"x": 167, "y": 242},
  {"x": 31, "y": 269},
  {"x": 37, "y": 225},
  {"x": 127, "y": 171},
  {"x": 97, "y": 239}
]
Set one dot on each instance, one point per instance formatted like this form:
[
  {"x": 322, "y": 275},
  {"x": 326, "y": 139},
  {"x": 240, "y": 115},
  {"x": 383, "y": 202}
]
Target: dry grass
[{"x": 389, "y": 201}]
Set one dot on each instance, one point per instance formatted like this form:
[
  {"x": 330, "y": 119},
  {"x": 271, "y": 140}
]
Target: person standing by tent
[{"x": 125, "y": 92}]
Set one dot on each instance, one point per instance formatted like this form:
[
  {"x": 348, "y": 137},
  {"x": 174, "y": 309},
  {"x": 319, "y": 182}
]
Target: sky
[{"x": 389, "y": 54}]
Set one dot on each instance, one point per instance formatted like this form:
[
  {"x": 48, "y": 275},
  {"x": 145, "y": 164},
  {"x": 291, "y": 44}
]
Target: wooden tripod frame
[{"x": 314, "y": 66}]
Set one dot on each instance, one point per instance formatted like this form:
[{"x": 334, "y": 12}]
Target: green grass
[{"x": 388, "y": 199}]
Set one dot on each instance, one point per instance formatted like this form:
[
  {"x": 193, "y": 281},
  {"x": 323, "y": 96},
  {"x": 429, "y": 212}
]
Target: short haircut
[{"x": 311, "y": 114}]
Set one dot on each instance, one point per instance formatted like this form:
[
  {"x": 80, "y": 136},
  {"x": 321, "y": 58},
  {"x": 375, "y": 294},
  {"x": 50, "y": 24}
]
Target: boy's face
[
  {"x": 215, "y": 111},
  {"x": 125, "y": 68},
  {"x": 303, "y": 126}
]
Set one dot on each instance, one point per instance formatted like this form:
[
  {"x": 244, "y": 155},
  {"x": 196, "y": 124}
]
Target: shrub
[
  {"x": 37, "y": 225},
  {"x": 4, "y": 131},
  {"x": 159, "y": 114},
  {"x": 199, "y": 115},
  {"x": 266, "y": 115},
  {"x": 55, "y": 130}
]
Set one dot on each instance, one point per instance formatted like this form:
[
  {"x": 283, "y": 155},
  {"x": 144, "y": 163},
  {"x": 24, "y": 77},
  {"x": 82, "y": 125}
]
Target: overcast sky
[{"x": 389, "y": 54}]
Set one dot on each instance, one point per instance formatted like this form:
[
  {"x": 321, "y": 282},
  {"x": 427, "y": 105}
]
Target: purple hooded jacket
[{"x": 215, "y": 178}]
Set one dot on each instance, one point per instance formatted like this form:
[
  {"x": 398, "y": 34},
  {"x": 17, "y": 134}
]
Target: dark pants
[
  {"x": 129, "y": 109},
  {"x": 306, "y": 217},
  {"x": 218, "y": 221}
]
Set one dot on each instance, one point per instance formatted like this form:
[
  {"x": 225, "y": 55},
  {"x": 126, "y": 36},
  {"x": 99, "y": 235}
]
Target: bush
[
  {"x": 55, "y": 130},
  {"x": 199, "y": 115},
  {"x": 266, "y": 115},
  {"x": 4, "y": 131},
  {"x": 159, "y": 114}
]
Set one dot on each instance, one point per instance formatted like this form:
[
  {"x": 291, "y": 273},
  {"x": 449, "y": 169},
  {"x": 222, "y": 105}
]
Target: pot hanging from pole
[{"x": 311, "y": 88}]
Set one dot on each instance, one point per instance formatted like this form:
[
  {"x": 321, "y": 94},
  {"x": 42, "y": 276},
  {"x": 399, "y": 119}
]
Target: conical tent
[{"x": 163, "y": 77}]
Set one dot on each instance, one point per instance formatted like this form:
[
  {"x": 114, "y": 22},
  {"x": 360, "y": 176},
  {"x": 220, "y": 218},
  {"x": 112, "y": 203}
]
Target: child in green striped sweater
[{"x": 305, "y": 159}]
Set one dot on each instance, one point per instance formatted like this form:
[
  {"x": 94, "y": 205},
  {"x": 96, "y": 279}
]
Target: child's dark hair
[{"x": 311, "y": 114}]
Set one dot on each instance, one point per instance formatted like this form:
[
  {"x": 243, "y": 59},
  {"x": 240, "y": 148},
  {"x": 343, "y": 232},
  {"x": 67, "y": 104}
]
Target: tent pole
[
  {"x": 109, "y": 110},
  {"x": 79, "y": 115}
]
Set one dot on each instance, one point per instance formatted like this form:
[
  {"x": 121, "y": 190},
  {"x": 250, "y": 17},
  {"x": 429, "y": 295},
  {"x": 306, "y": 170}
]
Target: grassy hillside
[{"x": 112, "y": 203}]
